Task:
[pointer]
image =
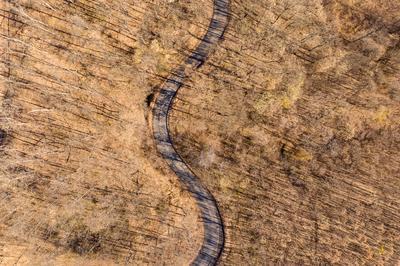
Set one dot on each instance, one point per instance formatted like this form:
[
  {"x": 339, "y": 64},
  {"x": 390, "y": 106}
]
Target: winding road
[{"x": 213, "y": 242}]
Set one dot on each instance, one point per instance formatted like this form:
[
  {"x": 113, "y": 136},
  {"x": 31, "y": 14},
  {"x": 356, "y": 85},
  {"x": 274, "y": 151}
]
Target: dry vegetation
[
  {"x": 293, "y": 125},
  {"x": 80, "y": 181}
]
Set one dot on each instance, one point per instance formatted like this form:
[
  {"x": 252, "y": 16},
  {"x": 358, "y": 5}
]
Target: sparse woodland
[
  {"x": 292, "y": 124},
  {"x": 80, "y": 181}
]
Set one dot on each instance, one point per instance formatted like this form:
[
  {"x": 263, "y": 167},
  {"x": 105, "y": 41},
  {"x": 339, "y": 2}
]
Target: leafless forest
[{"x": 292, "y": 123}]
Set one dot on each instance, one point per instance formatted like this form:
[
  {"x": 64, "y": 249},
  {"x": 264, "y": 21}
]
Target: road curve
[{"x": 213, "y": 242}]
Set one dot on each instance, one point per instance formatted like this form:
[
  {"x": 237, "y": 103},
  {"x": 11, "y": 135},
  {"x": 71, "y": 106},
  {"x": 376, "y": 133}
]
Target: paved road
[{"x": 213, "y": 242}]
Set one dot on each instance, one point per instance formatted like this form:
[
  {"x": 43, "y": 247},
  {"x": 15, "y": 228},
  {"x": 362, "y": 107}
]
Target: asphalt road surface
[{"x": 213, "y": 242}]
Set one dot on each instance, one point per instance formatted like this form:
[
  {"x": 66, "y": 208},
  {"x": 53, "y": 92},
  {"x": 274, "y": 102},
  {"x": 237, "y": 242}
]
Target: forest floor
[
  {"x": 293, "y": 124},
  {"x": 80, "y": 179}
]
